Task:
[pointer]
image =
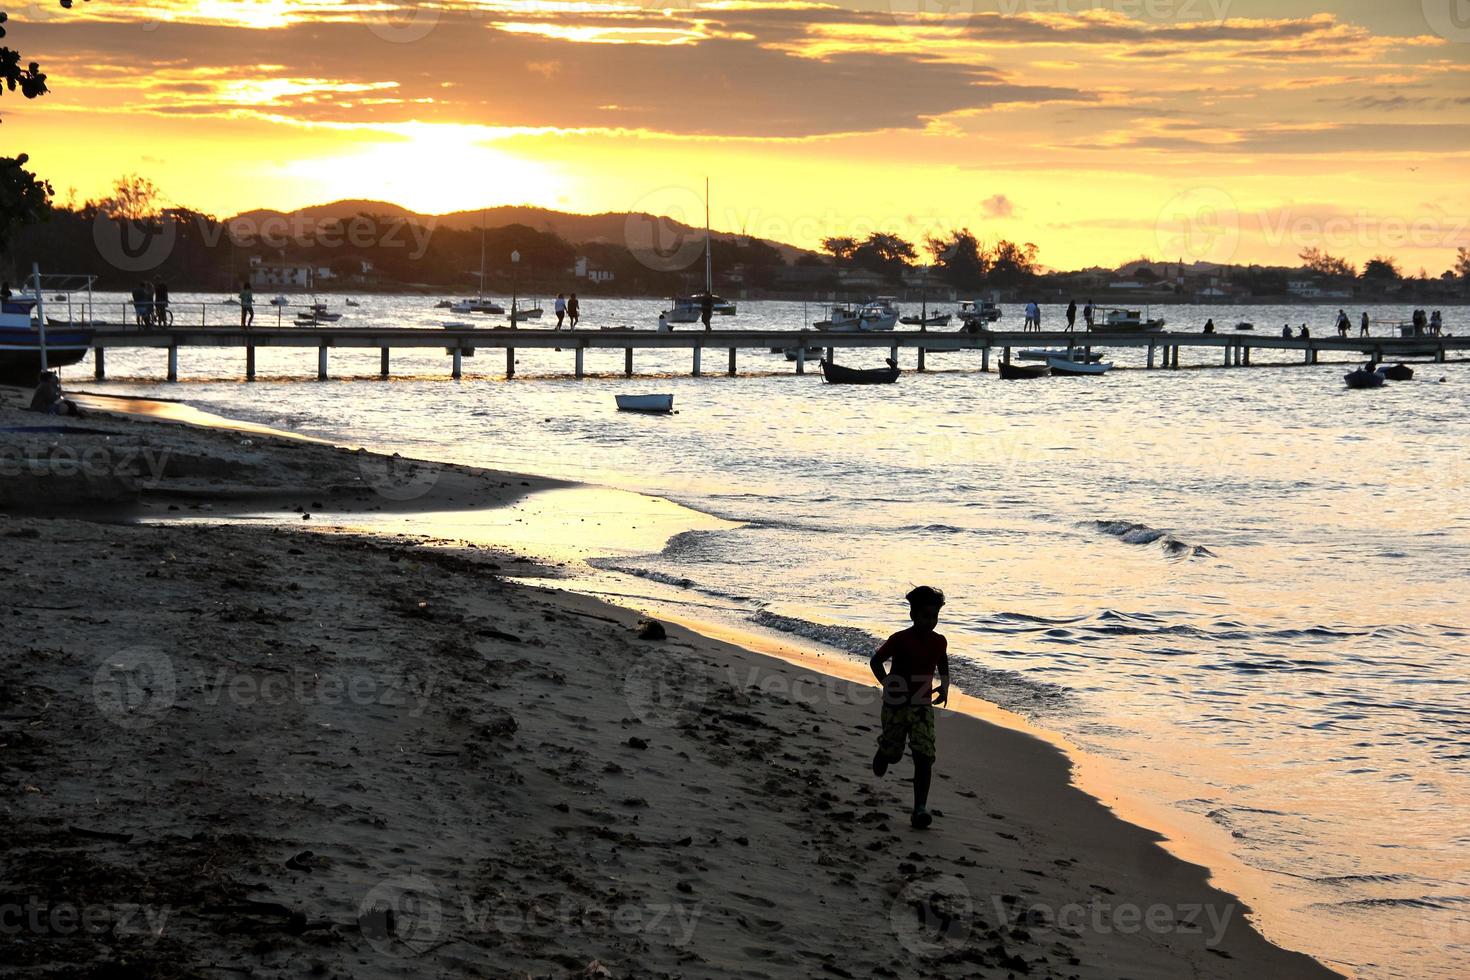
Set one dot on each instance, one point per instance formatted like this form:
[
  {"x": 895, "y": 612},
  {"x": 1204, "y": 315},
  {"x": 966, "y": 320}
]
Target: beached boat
[
  {"x": 932, "y": 320},
  {"x": 645, "y": 403},
  {"x": 1399, "y": 372},
  {"x": 1075, "y": 354},
  {"x": 1129, "y": 321},
  {"x": 1076, "y": 365},
  {"x": 835, "y": 374},
  {"x": 880, "y": 314},
  {"x": 20, "y": 344},
  {"x": 1023, "y": 372},
  {"x": 1363, "y": 378}
]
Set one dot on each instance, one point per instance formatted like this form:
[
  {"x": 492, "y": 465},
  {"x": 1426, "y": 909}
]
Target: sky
[{"x": 1100, "y": 130}]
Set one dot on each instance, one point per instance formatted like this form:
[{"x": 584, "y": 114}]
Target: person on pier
[
  {"x": 1305, "y": 332},
  {"x": 1286, "y": 330},
  {"x": 247, "y": 306},
  {"x": 1343, "y": 325},
  {"x": 1071, "y": 316},
  {"x": 706, "y": 309},
  {"x": 1436, "y": 323},
  {"x": 574, "y": 311},
  {"x": 560, "y": 308},
  {"x": 1363, "y": 326},
  {"x": 1088, "y": 312},
  {"x": 1210, "y": 325}
]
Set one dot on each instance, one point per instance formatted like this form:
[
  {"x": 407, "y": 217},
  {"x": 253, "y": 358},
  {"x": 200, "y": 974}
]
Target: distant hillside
[{"x": 577, "y": 229}]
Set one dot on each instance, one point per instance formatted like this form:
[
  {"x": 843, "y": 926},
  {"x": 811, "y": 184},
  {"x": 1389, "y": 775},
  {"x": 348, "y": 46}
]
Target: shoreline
[{"x": 1056, "y": 849}]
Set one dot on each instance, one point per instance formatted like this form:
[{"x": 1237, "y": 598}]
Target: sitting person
[
  {"x": 1304, "y": 331},
  {"x": 48, "y": 399},
  {"x": 1210, "y": 325},
  {"x": 1286, "y": 330}
]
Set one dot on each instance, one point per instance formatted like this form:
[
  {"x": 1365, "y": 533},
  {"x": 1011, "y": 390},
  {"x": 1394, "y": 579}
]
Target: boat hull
[
  {"x": 654, "y": 404},
  {"x": 1364, "y": 379},
  {"x": 835, "y": 374},
  {"x": 1024, "y": 372},
  {"x": 20, "y": 350},
  {"x": 1063, "y": 366}
]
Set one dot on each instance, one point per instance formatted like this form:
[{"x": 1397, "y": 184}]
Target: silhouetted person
[
  {"x": 706, "y": 309},
  {"x": 1304, "y": 331},
  {"x": 247, "y": 306},
  {"x": 1286, "y": 330},
  {"x": 5, "y": 292},
  {"x": 48, "y": 399},
  {"x": 574, "y": 311},
  {"x": 142, "y": 303},
  {"x": 1088, "y": 312},
  {"x": 1072, "y": 316},
  {"x": 1210, "y": 325},
  {"x": 560, "y": 307},
  {"x": 160, "y": 302},
  {"x": 906, "y": 665},
  {"x": 1363, "y": 328},
  {"x": 1436, "y": 323}
]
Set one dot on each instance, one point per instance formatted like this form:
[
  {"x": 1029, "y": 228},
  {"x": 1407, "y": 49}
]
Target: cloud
[{"x": 998, "y": 206}]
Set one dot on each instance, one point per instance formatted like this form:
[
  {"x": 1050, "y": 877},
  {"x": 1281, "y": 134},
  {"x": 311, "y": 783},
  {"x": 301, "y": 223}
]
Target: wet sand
[{"x": 261, "y": 749}]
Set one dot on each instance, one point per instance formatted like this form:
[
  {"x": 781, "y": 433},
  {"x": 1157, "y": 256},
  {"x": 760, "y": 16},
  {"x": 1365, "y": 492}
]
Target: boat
[
  {"x": 20, "y": 344},
  {"x": 1126, "y": 321},
  {"x": 1399, "y": 372},
  {"x": 1245, "y": 326},
  {"x": 529, "y": 313},
  {"x": 1364, "y": 378},
  {"x": 662, "y": 404},
  {"x": 877, "y": 315},
  {"x": 690, "y": 309},
  {"x": 835, "y": 374},
  {"x": 280, "y": 301},
  {"x": 1021, "y": 372},
  {"x": 975, "y": 314},
  {"x": 793, "y": 353},
  {"x": 1075, "y": 353},
  {"x": 1077, "y": 365},
  {"x": 352, "y": 302},
  {"x": 932, "y": 320},
  {"x": 444, "y": 304},
  {"x": 315, "y": 314}
]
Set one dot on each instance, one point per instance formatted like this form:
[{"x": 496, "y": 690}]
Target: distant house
[
  {"x": 584, "y": 269},
  {"x": 862, "y": 280},
  {"x": 277, "y": 274},
  {"x": 324, "y": 272},
  {"x": 1305, "y": 288}
]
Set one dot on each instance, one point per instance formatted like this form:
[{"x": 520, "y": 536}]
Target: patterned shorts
[{"x": 913, "y": 723}]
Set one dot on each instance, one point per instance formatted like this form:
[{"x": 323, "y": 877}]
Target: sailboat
[
  {"x": 480, "y": 304},
  {"x": 689, "y": 309}
]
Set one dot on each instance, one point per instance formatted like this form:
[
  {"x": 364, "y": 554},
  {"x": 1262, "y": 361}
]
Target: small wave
[
  {"x": 1141, "y": 534},
  {"x": 849, "y": 638}
]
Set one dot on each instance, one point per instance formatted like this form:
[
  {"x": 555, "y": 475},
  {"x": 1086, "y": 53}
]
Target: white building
[{"x": 585, "y": 270}]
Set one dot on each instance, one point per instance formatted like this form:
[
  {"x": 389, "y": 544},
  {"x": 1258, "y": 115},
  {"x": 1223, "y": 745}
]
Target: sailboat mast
[
  {"x": 482, "y": 255},
  {"x": 709, "y": 277}
]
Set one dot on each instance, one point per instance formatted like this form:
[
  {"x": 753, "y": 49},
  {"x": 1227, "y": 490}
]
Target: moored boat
[
  {"x": 1075, "y": 353},
  {"x": 932, "y": 320},
  {"x": 1364, "y": 378},
  {"x": 661, "y": 403},
  {"x": 880, "y": 314},
  {"x": 1399, "y": 372},
  {"x": 975, "y": 314},
  {"x": 1023, "y": 372},
  {"x": 1129, "y": 321},
  {"x": 835, "y": 374},
  {"x": 1078, "y": 366},
  {"x": 20, "y": 344}
]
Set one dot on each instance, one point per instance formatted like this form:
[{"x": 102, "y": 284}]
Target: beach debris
[
  {"x": 636, "y": 743},
  {"x": 498, "y": 635},
  {"x": 651, "y": 629},
  {"x": 304, "y": 861},
  {"x": 595, "y": 969}
]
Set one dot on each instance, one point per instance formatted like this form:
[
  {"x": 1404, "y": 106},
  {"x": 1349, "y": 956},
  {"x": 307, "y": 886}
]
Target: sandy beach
[{"x": 236, "y": 749}]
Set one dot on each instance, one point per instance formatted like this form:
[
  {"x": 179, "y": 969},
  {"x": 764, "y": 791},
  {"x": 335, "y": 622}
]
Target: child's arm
[
  {"x": 942, "y": 695},
  {"x": 877, "y": 663}
]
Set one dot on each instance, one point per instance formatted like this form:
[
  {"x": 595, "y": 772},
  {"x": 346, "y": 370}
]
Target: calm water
[{"x": 1252, "y": 581}]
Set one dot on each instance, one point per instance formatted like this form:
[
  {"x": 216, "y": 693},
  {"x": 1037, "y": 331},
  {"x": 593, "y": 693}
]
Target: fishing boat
[
  {"x": 1399, "y": 372},
  {"x": 1129, "y": 321},
  {"x": 20, "y": 343},
  {"x": 975, "y": 314},
  {"x": 690, "y": 309},
  {"x": 932, "y": 320},
  {"x": 1364, "y": 378},
  {"x": 1023, "y": 372},
  {"x": 794, "y": 353},
  {"x": 316, "y": 313},
  {"x": 1075, "y": 354},
  {"x": 526, "y": 313},
  {"x": 661, "y": 404},
  {"x": 1077, "y": 365},
  {"x": 835, "y": 374},
  {"x": 877, "y": 315}
]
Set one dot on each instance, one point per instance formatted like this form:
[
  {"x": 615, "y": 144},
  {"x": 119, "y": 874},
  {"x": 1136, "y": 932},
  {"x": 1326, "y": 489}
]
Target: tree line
[{"x": 959, "y": 258}]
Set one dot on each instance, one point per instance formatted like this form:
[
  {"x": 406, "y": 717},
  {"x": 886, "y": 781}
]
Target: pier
[{"x": 1160, "y": 350}]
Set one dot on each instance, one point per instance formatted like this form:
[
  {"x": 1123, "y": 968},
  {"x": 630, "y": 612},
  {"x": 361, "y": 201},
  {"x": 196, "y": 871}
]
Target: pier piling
[
  {"x": 321, "y": 363},
  {"x": 99, "y": 364},
  {"x": 580, "y": 363},
  {"x": 458, "y": 369},
  {"x": 627, "y": 362},
  {"x": 697, "y": 352},
  {"x": 383, "y": 362},
  {"x": 732, "y": 362},
  {"x": 1150, "y": 357},
  {"x": 173, "y": 362},
  {"x": 510, "y": 363},
  {"x": 250, "y": 363}
]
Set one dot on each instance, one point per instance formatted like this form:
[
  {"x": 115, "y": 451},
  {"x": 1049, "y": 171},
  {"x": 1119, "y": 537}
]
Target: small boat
[
  {"x": 1078, "y": 366},
  {"x": 1129, "y": 321},
  {"x": 975, "y": 314},
  {"x": 1399, "y": 372},
  {"x": 812, "y": 353},
  {"x": 837, "y": 375},
  {"x": 1075, "y": 354},
  {"x": 280, "y": 301},
  {"x": 20, "y": 344},
  {"x": 352, "y": 302},
  {"x": 661, "y": 404},
  {"x": 530, "y": 313},
  {"x": 724, "y": 307},
  {"x": 487, "y": 306},
  {"x": 1022, "y": 372},
  {"x": 229, "y": 301},
  {"x": 1245, "y": 326},
  {"x": 444, "y": 304},
  {"x": 932, "y": 320},
  {"x": 1363, "y": 378},
  {"x": 880, "y": 314}
]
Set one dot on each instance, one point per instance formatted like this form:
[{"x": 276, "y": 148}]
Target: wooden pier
[{"x": 1228, "y": 350}]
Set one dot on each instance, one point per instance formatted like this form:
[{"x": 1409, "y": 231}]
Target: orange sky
[{"x": 1224, "y": 130}]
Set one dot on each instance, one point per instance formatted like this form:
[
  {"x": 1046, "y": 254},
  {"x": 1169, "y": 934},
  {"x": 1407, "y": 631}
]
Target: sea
[{"x": 1244, "y": 589}]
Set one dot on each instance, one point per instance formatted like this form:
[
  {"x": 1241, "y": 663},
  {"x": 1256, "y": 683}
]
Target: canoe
[
  {"x": 1021, "y": 372},
  {"x": 645, "y": 403},
  {"x": 1362, "y": 378},
  {"x": 935, "y": 320},
  {"x": 1399, "y": 372},
  {"x": 1078, "y": 368},
  {"x": 835, "y": 374}
]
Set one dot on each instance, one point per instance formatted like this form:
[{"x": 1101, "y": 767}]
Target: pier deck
[{"x": 1234, "y": 349}]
